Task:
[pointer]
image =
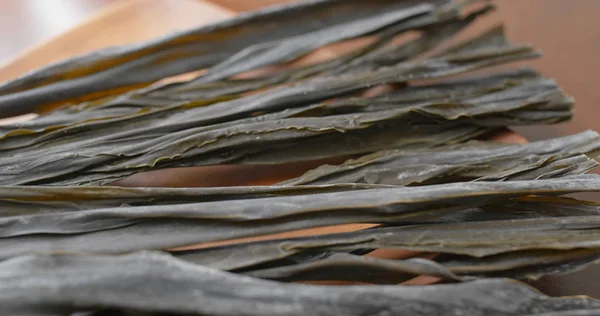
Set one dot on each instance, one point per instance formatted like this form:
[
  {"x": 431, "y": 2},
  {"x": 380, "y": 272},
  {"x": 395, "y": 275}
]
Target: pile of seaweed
[{"x": 419, "y": 175}]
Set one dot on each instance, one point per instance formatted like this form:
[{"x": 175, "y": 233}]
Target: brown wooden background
[{"x": 567, "y": 31}]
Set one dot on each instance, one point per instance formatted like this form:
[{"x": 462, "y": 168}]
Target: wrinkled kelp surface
[
  {"x": 111, "y": 149},
  {"x": 113, "y": 283},
  {"x": 420, "y": 180},
  {"x": 218, "y": 46}
]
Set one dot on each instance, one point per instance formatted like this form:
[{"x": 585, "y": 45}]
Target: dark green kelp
[
  {"x": 95, "y": 283},
  {"x": 151, "y": 227},
  {"x": 424, "y": 189}
]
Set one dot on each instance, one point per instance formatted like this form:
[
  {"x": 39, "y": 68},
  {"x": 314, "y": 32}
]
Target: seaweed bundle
[{"x": 419, "y": 177}]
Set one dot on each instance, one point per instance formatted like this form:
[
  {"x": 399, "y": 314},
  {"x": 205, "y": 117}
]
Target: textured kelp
[
  {"x": 94, "y": 283},
  {"x": 529, "y": 168},
  {"x": 27, "y": 200},
  {"x": 476, "y": 239},
  {"x": 73, "y": 167},
  {"x": 415, "y": 185},
  {"x": 125, "y": 229},
  {"x": 62, "y": 157},
  {"x": 109, "y": 150},
  {"x": 183, "y": 116},
  {"x": 218, "y": 45},
  {"x": 453, "y": 157},
  {"x": 437, "y": 27}
]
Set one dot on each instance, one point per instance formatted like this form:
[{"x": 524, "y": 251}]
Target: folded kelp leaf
[
  {"x": 128, "y": 67},
  {"x": 92, "y": 283},
  {"x": 470, "y": 153},
  {"x": 527, "y": 168},
  {"x": 352, "y": 268},
  {"x": 126, "y": 229},
  {"x": 367, "y": 140},
  {"x": 436, "y": 28},
  {"x": 475, "y": 239},
  {"x": 532, "y": 167}
]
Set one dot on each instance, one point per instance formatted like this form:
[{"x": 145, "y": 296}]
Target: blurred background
[{"x": 567, "y": 32}]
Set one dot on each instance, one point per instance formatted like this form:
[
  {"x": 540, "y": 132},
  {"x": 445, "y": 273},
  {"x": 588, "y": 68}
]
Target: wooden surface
[
  {"x": 566, "y": 31},
  {"x": 120, "y": 22},
  {"x": 27, "y": 22}
]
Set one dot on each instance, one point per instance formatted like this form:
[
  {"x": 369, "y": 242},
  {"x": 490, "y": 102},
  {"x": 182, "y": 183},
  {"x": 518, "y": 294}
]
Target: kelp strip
[
  {"x": 470, "y": 153},
  {"x": 93, "y": 283},
  {"x": 28, "y": 200},
  {"x": 528, "y": 168}
]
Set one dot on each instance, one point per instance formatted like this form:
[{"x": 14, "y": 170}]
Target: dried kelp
[
  {"x": 182, "y": 116},
  {"x": 151, "y": 227},
  {"x": 480, "y": 208},
  {"x": 92, "y": 283},
  {"x": 24, "y": 200},
  {"x": 437, "y": 27},
  {"x": 85, "y": 167},
  {"x": 376, "y": 138},
  {"x": 218, "y": 45},
  {"x": 108, "y": 150},
  {"x": 541, "y": 93},
  {"x": 528, "y": 168},
  {"x": 527, "y": 264},
  {"x": 352, "y": 268},
  {"x": 449, "y": 89},
  {"x": 476, "y": 239},
  {"x": 469, "y": 154}
]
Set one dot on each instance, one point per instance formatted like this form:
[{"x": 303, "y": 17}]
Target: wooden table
[{"x": 566, "y": 31}]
